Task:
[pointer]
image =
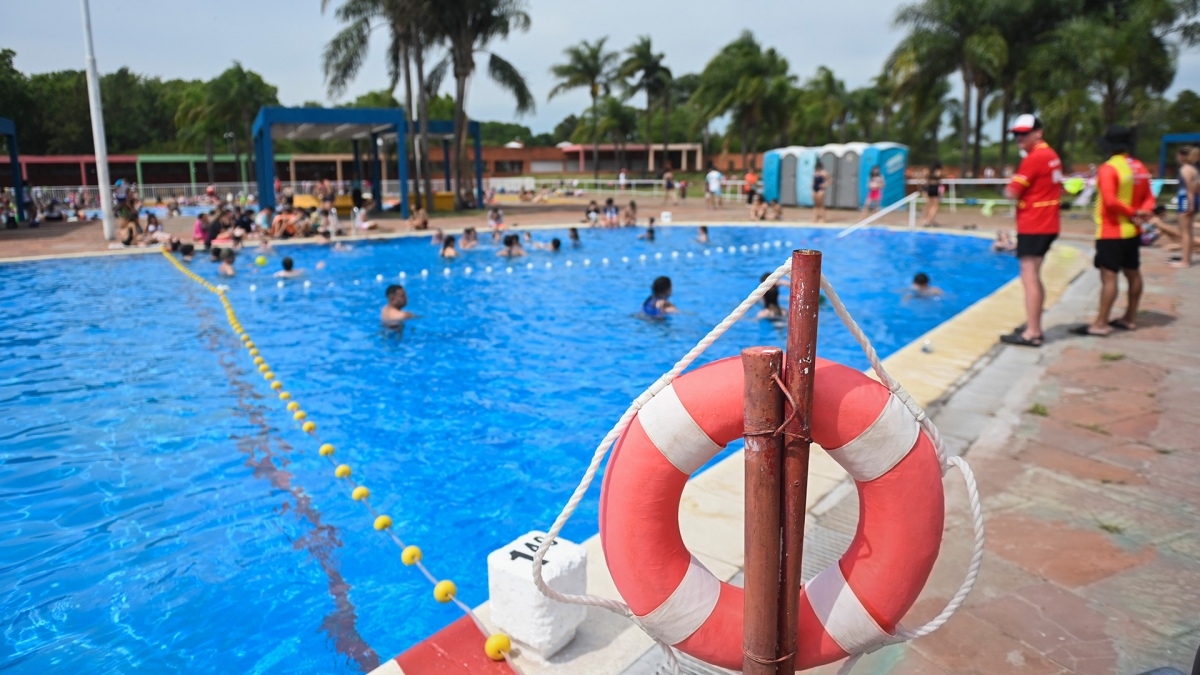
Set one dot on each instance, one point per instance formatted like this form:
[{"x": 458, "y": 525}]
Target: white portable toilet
[
  {"x": 849, "y": 170},
  {"x": 830, "y": 157},
  {"x": 789, "y": 158}
]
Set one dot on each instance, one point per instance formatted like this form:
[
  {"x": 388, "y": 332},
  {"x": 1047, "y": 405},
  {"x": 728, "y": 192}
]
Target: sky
[{"x": 283, "y": 39}]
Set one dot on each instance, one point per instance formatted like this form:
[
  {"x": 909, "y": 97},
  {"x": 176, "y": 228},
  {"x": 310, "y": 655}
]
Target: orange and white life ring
[{"x": 852, "y": 605}]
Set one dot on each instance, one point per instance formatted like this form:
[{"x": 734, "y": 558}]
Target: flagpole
[{"x": 93, "y": 82}]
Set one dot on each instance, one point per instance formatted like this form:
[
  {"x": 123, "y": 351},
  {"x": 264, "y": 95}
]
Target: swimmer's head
[
  {"x": 528, "y": 236},
  {"x": 228, "y": 255},
  {"x": 188, "y": 250},
  {"x": 215, "y": 253},
  {"x": 555, "y": 244},
  {"x": 573, "y": 233},
  {"x": 771, "y": 297},
  {"x": 287, "y": 264},
  {"x": 661, "y": 288},
  {"x": 396, "y": 296},
  {"x": 448, "y": 242},
  {"x": 921, "y": 280},
  {"x": 651, "y": 226},
  {"x": 703, "y": 229}
]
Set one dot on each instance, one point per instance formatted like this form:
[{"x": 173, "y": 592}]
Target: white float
[{"x": 519, "y": 609}]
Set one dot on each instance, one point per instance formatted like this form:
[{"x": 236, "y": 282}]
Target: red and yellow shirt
[
  {"x": 1038, "y": 189},
  {"x": 1124, "y": 186}
]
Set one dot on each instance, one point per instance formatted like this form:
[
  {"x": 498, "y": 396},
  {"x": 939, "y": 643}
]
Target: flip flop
[
  {"x": 1018, "y": 339},
  {"x": 1086, "y": 330},
  {"x": 1120, "y": 324}
]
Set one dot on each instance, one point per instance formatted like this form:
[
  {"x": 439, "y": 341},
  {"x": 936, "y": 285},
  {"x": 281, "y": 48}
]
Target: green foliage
[{"x": 499, "y": 133}]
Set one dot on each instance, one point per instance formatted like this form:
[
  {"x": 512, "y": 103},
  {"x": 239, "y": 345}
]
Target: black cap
[{"x": 1117, "y": 139}]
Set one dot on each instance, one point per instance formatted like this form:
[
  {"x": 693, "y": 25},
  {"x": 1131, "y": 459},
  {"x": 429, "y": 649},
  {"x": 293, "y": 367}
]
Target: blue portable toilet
[
  {"x": 770, "y": 175},
  {"x": 870, "y": 160},
  {"x": 805, "y": 165},
  {"x": 893, "y": 165}
]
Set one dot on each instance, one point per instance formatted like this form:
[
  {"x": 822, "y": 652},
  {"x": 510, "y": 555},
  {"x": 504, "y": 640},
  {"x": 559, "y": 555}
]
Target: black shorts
[
  {"x": 933, "y": 191},
  {"x": 1118, "y": 254},
  {"x": 750, "y": 196},
  {"x": 1034, "y": 245}
]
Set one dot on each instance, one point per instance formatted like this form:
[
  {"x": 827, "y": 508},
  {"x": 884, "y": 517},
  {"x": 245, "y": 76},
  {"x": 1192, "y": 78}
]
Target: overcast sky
[{"x": 283, "y": 39}]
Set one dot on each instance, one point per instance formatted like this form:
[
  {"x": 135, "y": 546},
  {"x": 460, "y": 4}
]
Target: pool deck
[{"x": 1086, "y": 455}]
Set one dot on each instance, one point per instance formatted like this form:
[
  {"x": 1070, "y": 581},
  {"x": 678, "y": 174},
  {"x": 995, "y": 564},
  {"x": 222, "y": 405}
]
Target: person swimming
[
  {"x": 658, "y": 305},
  {"x": 448, "y": 250},
  {"x": 702, "y": 237},
  {"x": 288, "y": 271},
  {"x": 770, "y": 301},
  {"x": 648, "y": 235},
  {"x": 573, "y": 235},
  {"x": 227, "y": 258},
  {"x": 512, "y": 247},
  {"x": 922, "y": 288},
  {"x": 393, "y": 312},
  {"x": 187, "y": 251}
]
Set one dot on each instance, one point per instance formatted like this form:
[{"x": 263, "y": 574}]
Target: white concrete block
[{"x": 519, "y": 609}]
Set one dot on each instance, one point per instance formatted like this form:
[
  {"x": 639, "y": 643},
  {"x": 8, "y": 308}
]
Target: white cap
[{"x": 1025, "y": 123}]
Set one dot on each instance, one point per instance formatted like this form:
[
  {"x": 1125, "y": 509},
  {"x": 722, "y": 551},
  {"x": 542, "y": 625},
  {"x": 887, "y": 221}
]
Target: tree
[
  {"x": 618, "y": 122},
  {"x": 737, "y": 81},
  {"x": 588, "y": 66},
  {"x": 468, "y": 27},
  {"x": 565, "y": 129},
  {"x": 197, "y": 123},
  {"x": 650, "y": 77},
  {"x": 235, "y": 97},
  {"x": 947, "y": 36}
]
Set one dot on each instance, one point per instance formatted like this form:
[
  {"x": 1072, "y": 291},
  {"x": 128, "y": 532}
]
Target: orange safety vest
[{"x": 1133, "y": 187}]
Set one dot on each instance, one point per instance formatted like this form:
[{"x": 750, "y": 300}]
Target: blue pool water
[{"x": 162, "y": 512}]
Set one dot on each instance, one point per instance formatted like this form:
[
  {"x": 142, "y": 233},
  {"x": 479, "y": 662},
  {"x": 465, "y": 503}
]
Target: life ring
[{"x": 849, "y": 607}]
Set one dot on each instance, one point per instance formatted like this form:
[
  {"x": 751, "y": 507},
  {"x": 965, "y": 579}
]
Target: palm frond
[
  {"x": 345, "y": 54},
  {"x": 509, "y": 78}
]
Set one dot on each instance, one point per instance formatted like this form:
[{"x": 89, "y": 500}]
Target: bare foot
[{"x": 1179, "y": 265}]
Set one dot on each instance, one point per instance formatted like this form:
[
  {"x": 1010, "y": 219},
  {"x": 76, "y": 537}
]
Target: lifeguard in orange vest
[{"x": 1125, "y": 202}]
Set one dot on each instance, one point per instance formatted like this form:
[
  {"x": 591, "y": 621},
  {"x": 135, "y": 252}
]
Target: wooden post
[
  {"x": 764, "y": 450},
  {"x": 799, "y": 374}
]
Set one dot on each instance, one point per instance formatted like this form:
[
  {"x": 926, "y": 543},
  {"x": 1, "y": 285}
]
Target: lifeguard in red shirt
[{"x": 1037, "y": 187}]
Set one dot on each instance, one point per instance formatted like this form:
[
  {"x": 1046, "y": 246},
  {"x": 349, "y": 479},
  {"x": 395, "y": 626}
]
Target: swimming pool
[{"x": 164, "y": 514}]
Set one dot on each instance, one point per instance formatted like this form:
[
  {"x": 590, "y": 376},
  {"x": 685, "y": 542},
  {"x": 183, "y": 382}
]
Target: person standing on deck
[
  {"x": 1037, "y": 187},
  {"x": 1125, "y": 202},
  {"x": 1189, "y": 178}
]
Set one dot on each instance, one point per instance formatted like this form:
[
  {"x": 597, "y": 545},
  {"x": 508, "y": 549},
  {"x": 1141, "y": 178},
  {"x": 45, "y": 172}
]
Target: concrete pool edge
[{"x": 711, "y": 511}]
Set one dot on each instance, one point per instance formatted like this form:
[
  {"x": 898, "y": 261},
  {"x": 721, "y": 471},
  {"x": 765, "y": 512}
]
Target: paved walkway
[{"x": 1088, "y": 457}]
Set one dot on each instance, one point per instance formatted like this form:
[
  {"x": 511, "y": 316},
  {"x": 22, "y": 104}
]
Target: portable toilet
[
  {"x": 829, "y": 156},
  {"x": 848, "y": 174},
  {"x": 893, "y": 165},
  {"x": 804, "y": 176},
  {"x": 787, "y": 176},
  {"x": 770, "y": 175}
]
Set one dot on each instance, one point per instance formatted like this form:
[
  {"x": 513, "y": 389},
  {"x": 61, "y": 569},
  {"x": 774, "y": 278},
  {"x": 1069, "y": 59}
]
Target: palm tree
[
  {"x": 618, "y": 122},
  {"x": 235, "y": 97},
  {"x": 650, "y": 77},
  {"x": 468, "y": 27},
  {"x": 197, "y": 123},
  {"x": 587, "y": 65},
  {"x": 737, "y": 80},
  {"x": 950, "y": 35},
  {"x": 405, "y": 21}
]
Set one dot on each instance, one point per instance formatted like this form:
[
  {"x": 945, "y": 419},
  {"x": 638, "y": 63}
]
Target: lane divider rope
[{"x": 497, "y": 646}]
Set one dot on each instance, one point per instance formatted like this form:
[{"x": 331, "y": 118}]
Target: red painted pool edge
[{"x": 456, "y": 649}]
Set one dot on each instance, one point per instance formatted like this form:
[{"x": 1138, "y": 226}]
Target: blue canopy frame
[
  {"x": 355, "y": 125},
  {"x": 9, "y": 131},
  {"x": 1167, "y": 140}
]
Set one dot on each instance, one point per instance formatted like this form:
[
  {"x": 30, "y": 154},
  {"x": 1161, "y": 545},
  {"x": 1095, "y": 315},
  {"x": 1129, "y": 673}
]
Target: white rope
[{"x": 902, "y": 634}]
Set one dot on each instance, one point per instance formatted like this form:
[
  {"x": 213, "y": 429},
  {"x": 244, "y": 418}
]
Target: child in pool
[
  {"x": 922, "y": 288},
  {"x": 393, "y": 313},
  {"x": 448, "y": 250},
  {"x": 227, "y": 258},
  {"x": 658, "y": 305},
  {"x": 288, "y": 272}
]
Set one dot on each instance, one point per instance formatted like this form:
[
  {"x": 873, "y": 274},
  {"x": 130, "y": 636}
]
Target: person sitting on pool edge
[
  {"x": 288, "y": 272},
  {"x": 393, "y": 312},
  {"x": 227, "y": 258},
  {"x": 921, "y": 287},
  {"x": 658, "y": 305}
]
